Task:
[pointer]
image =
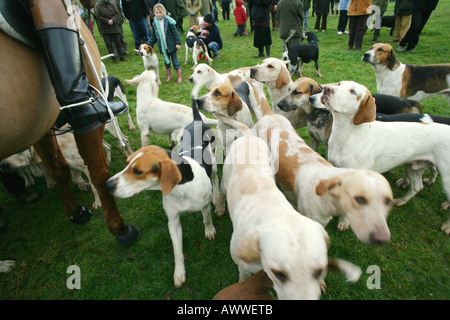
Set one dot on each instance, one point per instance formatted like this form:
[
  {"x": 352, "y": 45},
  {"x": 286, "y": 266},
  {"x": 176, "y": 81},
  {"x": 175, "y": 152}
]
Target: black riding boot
[
  {"x": 376, "y": 34},
  {"x": 81, "y": 108},
  {"x": 260, "y": 53}
]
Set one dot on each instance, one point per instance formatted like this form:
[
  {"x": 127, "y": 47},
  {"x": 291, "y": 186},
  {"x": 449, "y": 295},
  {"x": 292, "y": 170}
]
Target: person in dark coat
[
  {"x": 322, "y": 10},
  {"x": 290, "y": 16},
  {"x": 109, "y": 21},
  {"x": 421, "y": 11},
  {"x": 136, "y": 12},
  {"x": 260, "y": 13}
]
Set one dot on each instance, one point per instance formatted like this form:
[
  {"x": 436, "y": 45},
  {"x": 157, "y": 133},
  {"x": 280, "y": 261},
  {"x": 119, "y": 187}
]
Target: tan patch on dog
[
  {"x": 234, "y": 78},
  {"x": 288, "y": 164},
  {"x": 367, "y": 109}
]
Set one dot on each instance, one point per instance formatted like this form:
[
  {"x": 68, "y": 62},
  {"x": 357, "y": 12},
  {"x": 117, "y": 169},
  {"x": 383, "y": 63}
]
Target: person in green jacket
[
  {"x": 164, "y": 31},
  {"x": 290, "y": 16}
]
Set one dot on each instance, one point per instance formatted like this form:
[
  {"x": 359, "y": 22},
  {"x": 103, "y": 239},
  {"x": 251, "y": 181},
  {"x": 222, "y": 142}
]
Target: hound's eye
[
  {"x": 137, "y": 172},
  {"x": 296, "y": 92},
  {"x": 388, "y": 201},
  {"x": 317, "y": 273},
  {"x": 353, "y": 92},
  {"x": 360, "y": 200},
  {"x": 199, "y": 71},
  {"x": 270, "y": 66},
  {"x": 280, "y": 275},
  {"x": 217, "y": 93},
  {"x": 380, "y": 49}
]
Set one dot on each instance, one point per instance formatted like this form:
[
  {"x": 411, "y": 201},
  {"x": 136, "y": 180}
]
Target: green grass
[{"x": 415, "y": 265}]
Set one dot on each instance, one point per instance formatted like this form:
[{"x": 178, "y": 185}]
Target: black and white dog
[
  {"x": 196, "y": 45},
  {"x": 302, "y": 53}
]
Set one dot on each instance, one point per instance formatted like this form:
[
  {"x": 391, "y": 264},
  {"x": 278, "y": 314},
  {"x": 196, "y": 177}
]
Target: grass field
[{"x": 42, "y": 241}]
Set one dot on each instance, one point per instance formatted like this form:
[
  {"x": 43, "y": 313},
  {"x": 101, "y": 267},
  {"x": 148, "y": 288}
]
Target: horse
[{"x": 28, "y": 111}]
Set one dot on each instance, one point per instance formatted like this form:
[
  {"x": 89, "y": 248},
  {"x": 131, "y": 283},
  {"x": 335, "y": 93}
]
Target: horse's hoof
[
  {"x": 82, "y": 216},
  {"x": 132, "y": 235}
]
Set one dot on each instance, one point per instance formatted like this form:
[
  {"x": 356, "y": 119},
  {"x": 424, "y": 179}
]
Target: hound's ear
[
  {"x": 249, "y": 250},
  {"x": 235, "y": 104},
  {"x": 315, "y": 88},
  {"x": 170, "y": 176},
  {"x": 327, "y": 185},
  {"x": 367, "y": 110},
  {"x": 283, "y": 78},
  {"x": 392, "y": 60}
]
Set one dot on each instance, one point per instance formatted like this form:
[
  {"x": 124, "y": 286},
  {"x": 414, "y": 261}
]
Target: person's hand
[
  {"x": 178, "y": 46},
  {"x": 193, "y": 13},
  {"x": 110, "y": 22}
]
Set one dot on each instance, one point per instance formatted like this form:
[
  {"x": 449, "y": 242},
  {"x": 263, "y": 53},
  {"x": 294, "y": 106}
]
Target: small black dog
[
  {"x": 389, "y": 22},
  {"x": 302, "y": 53}
]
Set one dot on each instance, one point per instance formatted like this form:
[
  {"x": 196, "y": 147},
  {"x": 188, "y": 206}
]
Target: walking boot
[
  {"x": 180, "y": 79},
  {"x": 169, "y": 75},
  {"x": 60, "y": 49}
]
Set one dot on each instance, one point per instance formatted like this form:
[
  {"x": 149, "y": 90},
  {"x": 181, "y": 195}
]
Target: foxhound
[
  {"x": 150, "y": 59},
  {"x": 196, "y": 45},
  {"x": 156, "y": 115},
  {"x": 414, "y": 82},
  {"x": 268, "y": 233},
  {"x": 361, "y": 198},
  {"x": 358, "y": 141},
  {"x": 274, "y": 73}
]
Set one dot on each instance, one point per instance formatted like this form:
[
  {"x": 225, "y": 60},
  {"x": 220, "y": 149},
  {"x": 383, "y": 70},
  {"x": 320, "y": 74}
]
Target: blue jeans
[
  {"x": 173, "y": 56},
  {"x": 139, "y": 29},
  {"x": 214, "y": 47}
]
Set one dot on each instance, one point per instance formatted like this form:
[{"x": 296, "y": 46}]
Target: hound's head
[
  {"x": 350, "y": 99},
  {"x": 203, "y": 74},
  {"x": 365, "y": 198},
  {"x": 296, "y": 260},
  {"x": 149, "y": 168},
  {"x": 298, "y": 95},
  {"x": 381, "y": 54},
  {"x": 145, "y": 49},
  {"x": 222, "y": 99},
  {"x": 271, "y": 71},
  {"x": 195, "y": 30}
]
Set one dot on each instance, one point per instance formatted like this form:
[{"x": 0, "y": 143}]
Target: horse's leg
[
  {"x": 59, "y": 170},
  {"x": 90, "y": 146}
]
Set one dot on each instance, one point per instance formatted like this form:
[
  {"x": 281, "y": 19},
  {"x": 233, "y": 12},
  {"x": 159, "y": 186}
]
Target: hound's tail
[
  {"x": 291, "y": 35},
  {"x": 351, "y": 271},
  {"x": 200, "y": 117}
]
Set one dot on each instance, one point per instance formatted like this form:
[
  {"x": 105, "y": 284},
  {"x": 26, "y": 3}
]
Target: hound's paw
[
  {"x": 399, "y": 202},
  {"x": 446, "y": 228},
  {"x": 6, "y": 266},
  {"x": 179, "y": 278},
  {"x": 210, "y": 233},
  {"x": 402, "y": 183},
  {"x": 445, "y": 206},
  {"x": 344, "y": 224}
]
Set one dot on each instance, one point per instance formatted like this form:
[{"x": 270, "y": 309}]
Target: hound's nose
[
  {"x": 199, "y": 102},
  {"x": 252, "y": 72},
  {"x": 312, "y": 99},
  {"x": 110, "y": 185},
  {"x": 328, "y": 90},
  {"x": 379, "y": 238},
  {"x": 366, "y": 56}
]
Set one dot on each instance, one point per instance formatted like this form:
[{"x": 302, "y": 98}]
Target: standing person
[
  {"x": 136, "y": 12},
  {"x": 260, "y": 12},
  {"x": 322, "y": 10},
  {"x": 241, "y": 18},
  {"x": 226, "y": 9},
  {"x": 306, "y": 5},
  {"x": 207, "y": 7},
  {"x": 402, "y": 12},
  {"x": 379, "y": 12},
  {"x": 343, "y": 18},
  {"x": 182, "y": 12},
  {"x": 290, "y": 16},
  {"x": 164, "y": 31},
  {"x": 211, "y": 35},
  {"x": 109, "y": 21},
  {"x": 193, "y": 7},
  {"x": 421, "y": 11},
  {"x": 171, "y": 7},
  {"x": 358, "y": 12},
  {"x": 273, "y": 14},
  {"x": 215, "y": 11}
]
